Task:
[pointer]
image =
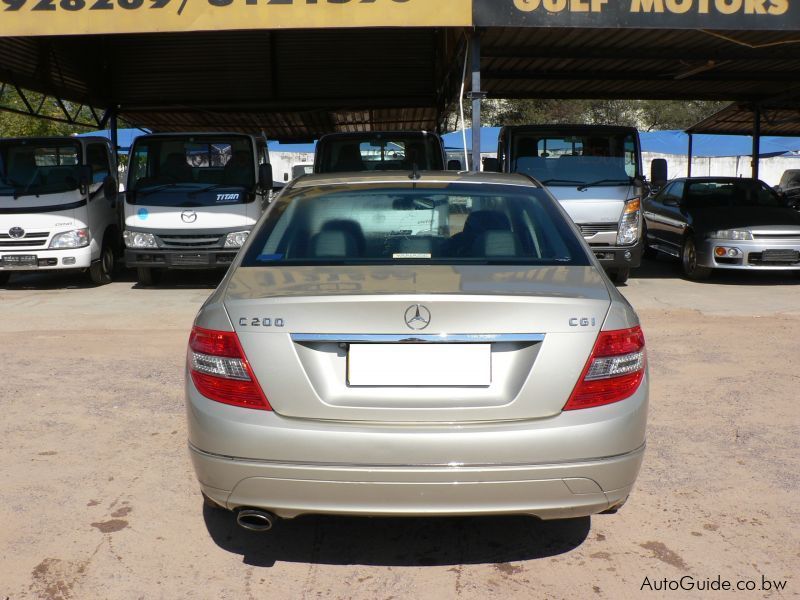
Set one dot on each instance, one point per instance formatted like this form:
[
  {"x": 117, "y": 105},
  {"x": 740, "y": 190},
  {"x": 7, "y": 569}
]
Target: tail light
[
  {"x": 614, "y": 370},
  {"x": 220, "y": 370}
]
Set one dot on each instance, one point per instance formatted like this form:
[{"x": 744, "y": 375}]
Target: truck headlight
[
  {"x": 629, "y": 223},
  {"x": 236, "y": 239},
  {"x": 77, "y": 238},
  {"x": 730, "y": 234},
  {"x": 139, "y": 239}
]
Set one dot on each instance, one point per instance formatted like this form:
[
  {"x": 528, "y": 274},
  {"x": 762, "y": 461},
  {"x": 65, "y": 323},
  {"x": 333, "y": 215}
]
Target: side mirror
[
  {"x": 454, "y": 165},
  {"x": 265, "y": 176},
  {"x": 491, "y": 164},
  {"x": 110, "y": 189},
  {"x": 658, "y": 172}
]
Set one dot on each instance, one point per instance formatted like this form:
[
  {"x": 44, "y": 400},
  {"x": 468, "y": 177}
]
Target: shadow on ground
[
  {"x": 76, "y": 280},
  {"x": 433, "y": 541}
]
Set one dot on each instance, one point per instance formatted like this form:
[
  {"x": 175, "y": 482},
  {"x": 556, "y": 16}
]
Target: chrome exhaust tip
[{"x": 254, "y": 519}]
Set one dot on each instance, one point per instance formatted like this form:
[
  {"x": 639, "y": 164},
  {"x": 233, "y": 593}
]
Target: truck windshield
[
  {"x": 569, "y": 160},
  {"x": 37, "y": 167},
  {"x": 191, "y": 171},
  {"x": 383, "y": 153},
  {"x": 448, "y": 224}
]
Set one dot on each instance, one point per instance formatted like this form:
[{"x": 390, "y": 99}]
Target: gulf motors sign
[{"x": 672, "y": 14}]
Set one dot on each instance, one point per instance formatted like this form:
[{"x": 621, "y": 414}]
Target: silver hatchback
[{"x": 434, "y": 344}]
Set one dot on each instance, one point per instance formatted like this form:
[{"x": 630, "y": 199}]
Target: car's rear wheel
[
  {"x": 689, "y": 264},
  {"x": 148, "y": 276}
]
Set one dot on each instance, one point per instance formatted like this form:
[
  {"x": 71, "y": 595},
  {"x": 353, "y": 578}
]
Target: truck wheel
[
  {"x": 100, "y": 270},
  {"x": 4, "y": 277},
  {"x": 620, "y": 275},
  {"x": 147, "y": 276},
  {"x": 689, "y": 264}
]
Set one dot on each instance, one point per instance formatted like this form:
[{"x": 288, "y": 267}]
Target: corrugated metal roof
[
  {"x": 781, "y": 119},
  {"x": 640, "y": 64}
]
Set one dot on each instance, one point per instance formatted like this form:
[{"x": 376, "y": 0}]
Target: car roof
[
  {"x": 710, "y": 179},
  {"x": 404, "y": 177}
]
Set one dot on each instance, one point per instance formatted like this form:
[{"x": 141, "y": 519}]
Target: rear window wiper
[{"x": 586, "y": 186}]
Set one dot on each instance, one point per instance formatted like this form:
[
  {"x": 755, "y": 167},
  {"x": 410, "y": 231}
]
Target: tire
[
  {"x": 101, "y": 270},
  {"x": 148, "y": 276},
  {"x": 4, "y": 277},
  {"x": 689, "y": 265},
  {"x": 620, "y": 275}
]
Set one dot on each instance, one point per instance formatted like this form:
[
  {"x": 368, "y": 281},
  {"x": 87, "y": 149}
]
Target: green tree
[{"x": 18, "y": 125}]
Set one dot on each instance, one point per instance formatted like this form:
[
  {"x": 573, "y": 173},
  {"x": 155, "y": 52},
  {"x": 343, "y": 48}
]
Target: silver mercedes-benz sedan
[{"x": 424, "y": 344}]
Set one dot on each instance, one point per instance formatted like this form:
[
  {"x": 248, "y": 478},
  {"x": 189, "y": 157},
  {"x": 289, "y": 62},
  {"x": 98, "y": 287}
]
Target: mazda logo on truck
[{"x": 188, "y": 216}]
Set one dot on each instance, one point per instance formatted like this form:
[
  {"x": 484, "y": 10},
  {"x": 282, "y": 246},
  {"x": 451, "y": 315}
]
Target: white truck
[
  {"x": 192, "y": 199},
  {"x": 595, "y": 171},
  {"x": 58, "y": 206}
]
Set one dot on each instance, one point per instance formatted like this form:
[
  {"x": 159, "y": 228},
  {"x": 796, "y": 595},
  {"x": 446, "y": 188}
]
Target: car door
[{"x": 665, "y": 221}]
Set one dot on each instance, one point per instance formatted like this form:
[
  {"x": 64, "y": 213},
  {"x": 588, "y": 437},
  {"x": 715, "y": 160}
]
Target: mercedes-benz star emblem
[
  {"x": 16, "y": 232},
  {"x": 188, "y": 216},
  {"x": 417, "y": 317}
]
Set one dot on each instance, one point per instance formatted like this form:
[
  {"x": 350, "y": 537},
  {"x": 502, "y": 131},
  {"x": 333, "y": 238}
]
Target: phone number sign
[{"x": 72, "y": 17}]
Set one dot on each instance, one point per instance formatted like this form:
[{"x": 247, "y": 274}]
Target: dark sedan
[{"x": 722, "y": 223}]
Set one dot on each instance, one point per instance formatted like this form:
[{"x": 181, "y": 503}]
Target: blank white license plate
[{"x": 419, "y": 364}]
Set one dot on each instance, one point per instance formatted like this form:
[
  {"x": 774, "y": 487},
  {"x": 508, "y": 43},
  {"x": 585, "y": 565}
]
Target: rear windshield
[
  {"x": 383, "y": 153},
  {"x": 39, "y": 167},
  {"x": 420, "y": 224},
  {"x": 191, "y": 171},
  {"x": 555, "y": 159},
  {"x": 738, "y": 193}
]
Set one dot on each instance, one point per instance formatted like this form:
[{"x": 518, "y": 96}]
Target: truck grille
[
  {"x": 590, "y": 229},
  {"x": 190, "y": 241},
  {"x": 31, "y": 239}
]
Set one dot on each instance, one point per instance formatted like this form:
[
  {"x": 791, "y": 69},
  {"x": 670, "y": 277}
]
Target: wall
[{"x": 770, "y": 169}]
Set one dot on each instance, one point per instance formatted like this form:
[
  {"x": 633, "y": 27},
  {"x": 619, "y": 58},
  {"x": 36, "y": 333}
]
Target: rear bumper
[
  {"x": 616, "y": 257},
  {"x": 179, "y": 259},
  {"x": 546, "y": 491},
  {"x": 574, "y": 464}
]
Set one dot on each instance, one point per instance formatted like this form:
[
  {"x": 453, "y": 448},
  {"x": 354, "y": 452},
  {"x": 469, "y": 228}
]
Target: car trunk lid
[{"x": 311, "y": 332}]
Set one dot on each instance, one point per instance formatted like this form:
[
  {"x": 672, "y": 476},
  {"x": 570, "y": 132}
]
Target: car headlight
[
  {"x": 236, "y": 239},
  {"x": 629, "y": 223},
  {"x": 139, "y": 239},
  {"x": 77, "y": 238},
  {"x": 730, "y": 234}
]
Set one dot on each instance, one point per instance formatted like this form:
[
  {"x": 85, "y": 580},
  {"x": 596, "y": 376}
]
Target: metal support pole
[
  {"x": 689, "y": 165},
  {"x": 114, "y": 135},
  {"x": 477, "y": 95},
  {"x": 756, "y": 140}
]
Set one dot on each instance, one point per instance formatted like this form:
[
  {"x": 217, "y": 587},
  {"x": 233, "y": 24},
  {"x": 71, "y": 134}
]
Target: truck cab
[
  {"x": 595, "y": 171},
  {"x": 58, "y": 206},
  {"x": 192, "y": 199},
  {"x": 379, "y": 151}
]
